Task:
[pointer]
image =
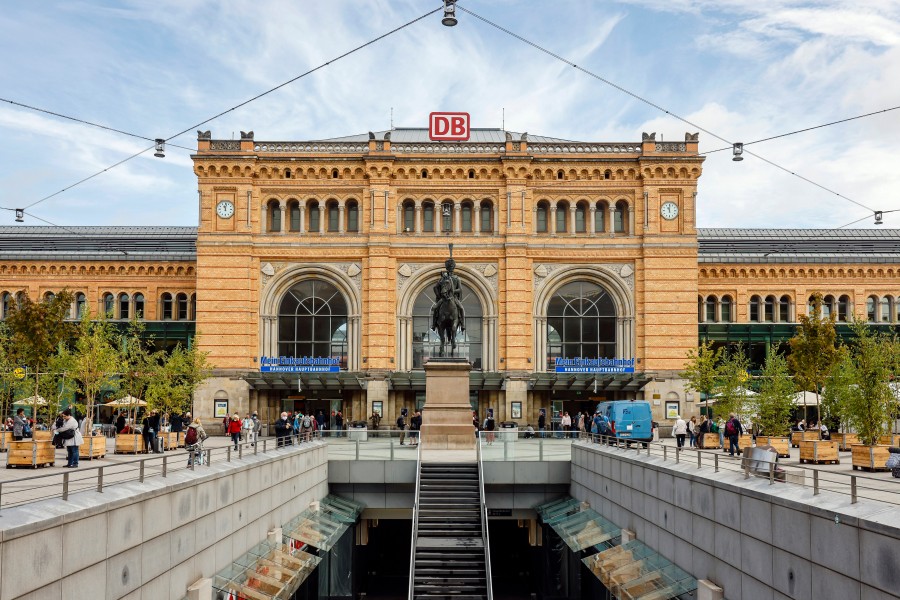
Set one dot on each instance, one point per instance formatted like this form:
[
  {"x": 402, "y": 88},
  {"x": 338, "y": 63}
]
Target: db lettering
[{"x": 449, "y": 126}]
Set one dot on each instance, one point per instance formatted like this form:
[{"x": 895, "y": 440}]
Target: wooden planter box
[
  {"x": 803, "y": 436},
  {"x": 130, "y": 443},
  {"x": 42, "y": 436},
  {"x": 5, "y": 439},
  {"x": 94, "y": 446},
  {"x": 819, "y": 452},
  {"x": 30, "y": 454},
  {"x": 167, "y": 440},
  {"x": 889, "y": 440},
  {"x": 744, "y": 440},
  {"x": 781, "y": 444},
  {"x": 709, "y": 440},
  {"x": 868, "y": 458},
  {"x": 845, "y": 440}
]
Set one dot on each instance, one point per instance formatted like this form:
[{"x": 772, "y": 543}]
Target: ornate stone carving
[
  {"x": 204, "y": 135},
  {"x": 267, "y": 269},
  {"x": 379, "y": 145},
  {"x": 404, "y": 270},
  {"x": 226, "y": 145},
  {"x": 692, "y": 137},
  {"x": 624, "y": 271},
  {"x": 648, "y": 137},
  {"x": 542, "y": 270},
  {"x": 247, "y": 135},
  {"x": 371, "y": 136},
  {"x": 516, "y": 146},
  {"x": 353, "y": 270},
  {"x": 490, "y": 271}
]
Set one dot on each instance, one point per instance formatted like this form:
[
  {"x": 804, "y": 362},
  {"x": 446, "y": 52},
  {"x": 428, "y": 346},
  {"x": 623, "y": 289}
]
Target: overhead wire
[
  {"x": 652, "y": 104},
  {"x": 242, "y": 104}
]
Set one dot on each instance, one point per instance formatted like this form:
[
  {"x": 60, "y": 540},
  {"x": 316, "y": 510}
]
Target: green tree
[
  {"x": 36, "y": 331},
  {"x": 175, "y": 378},
  {"x": 839, "y": 385},
  {"x": 813, "y": 350},
  {"x": 871, "y": 402},
  {"x": 733, "y": 380},
  {"x": 10, "y": 384},
  {"x": 95, "y": 361},
  {"x": 775, "y": 400},
  {"x": 139, "y": 365},
  {"x": 702, "y": 370}
]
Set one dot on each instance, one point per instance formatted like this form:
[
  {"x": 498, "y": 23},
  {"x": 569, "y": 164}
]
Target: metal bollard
[
  {"x": 141, "y": 472},
  {"x": 505, "y": 449},
  {"x": 716, "y": 461},
  {"x": 677, "y": 455},
  {"x": 264, "y": 446},
  {"x": 208, "y": 457},
  {"x": 541, "y": 449},
  {"x": 100, "y": 480},
  {"x": 193, "y": 459},
  {"x": 256, "y": 447},
  {"x": 392, "y": 448},
  {"x": 815, "y": 482},
  {"x": 241, "y": 451},
  {"x": 65, "y": 494},
  {"x": 699, "y": 459},
  {"x": 665, "y": 452},
  {"x": 165, "y": 467},
  {"x": 853, "y": 489},
  {"x": 228, "y": 454},
  {"x": 357, "y": 449}
]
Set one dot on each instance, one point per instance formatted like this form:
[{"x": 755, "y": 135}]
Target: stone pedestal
[{"x": 447, "y": 414}]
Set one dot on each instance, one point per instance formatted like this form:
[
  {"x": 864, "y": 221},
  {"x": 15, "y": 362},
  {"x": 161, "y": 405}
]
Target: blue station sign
[
  {"x": 595, "y": 365},
  {"x": 299, "y": 364}
]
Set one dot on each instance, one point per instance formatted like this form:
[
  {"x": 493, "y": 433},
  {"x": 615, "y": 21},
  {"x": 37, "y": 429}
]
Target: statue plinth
[{"x": 447, "y": 414}]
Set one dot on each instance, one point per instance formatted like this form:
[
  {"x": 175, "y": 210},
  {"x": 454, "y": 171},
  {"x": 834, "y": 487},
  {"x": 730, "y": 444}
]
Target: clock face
[
  {"x": 669, "y": 210},
  {"x": 225, "y": 209}
]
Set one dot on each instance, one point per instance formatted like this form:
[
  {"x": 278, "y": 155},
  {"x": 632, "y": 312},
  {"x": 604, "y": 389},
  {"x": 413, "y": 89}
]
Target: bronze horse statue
[{"x": 447, "y": 316}]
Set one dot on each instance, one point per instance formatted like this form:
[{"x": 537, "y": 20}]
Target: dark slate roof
[
  {"x": 419, "y": 135},
  {"x": 799, "y": 245},
  {"x": 98, "y": 243}
]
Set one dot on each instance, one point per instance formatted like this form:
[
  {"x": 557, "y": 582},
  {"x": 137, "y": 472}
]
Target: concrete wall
[
  {"x": 759, "y": 542},
  {"x": 152, "y": 540}
]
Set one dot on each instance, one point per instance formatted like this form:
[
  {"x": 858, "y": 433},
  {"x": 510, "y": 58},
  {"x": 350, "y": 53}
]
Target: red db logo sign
[{"x": 448, "y": 126}]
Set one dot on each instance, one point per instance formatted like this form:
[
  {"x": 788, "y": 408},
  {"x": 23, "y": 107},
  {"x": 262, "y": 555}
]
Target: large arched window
[
  {"x": 600, "y": 217},
  {"x": 754, "y": 309},
  {"x": 167, "y": 313},
  {"x": 333, "y": 217},
  {"x": 181, "y": 305},
  {"x": 562, "y": 216},
  {"x": 843, "y": 312},
  {"x": 885, "y": 312},
  {"x": 124, "y": 306},
  {"x": 711, "y": 309},
  {"x": 138, "y": 306},
  {"x": 581, "y": 323},
  {"x": 769, "y": 309},
  {"x": 409, "y": 216},
  {"x": 274, "y": 210},
  {"x": 541, "y": 217},
  {"x": 487, "y": 217},
  {"x": 428, "y": 217},
  {"x": 312, "y": 321},
  {"x": 294, "y": 213},
  {"x": 871, "y": 309},
  {"x": 467, "y": 217},
  {"x": 620, "y": 223},
  {"x": 446, "y": 217},
  {"x": 80, "y": 305},
  {"x": 827, "y": 306},
  {"x": 726, "y": 312},
  {"x": 426, "y": 343},
  {"x": 352, "y": 216},
  {"x": 6, "y": 304},
  {"x": 581, "y": 218},
  {"x": 314, "y": 216},
  {"x": 784, "y": 309}
]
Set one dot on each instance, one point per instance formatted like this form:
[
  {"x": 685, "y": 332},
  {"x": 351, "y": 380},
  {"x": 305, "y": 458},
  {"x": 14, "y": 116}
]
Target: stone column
[
  {"x": 457, "y": 217},
  {"x": 476, "y": 216},
  {"x": 591, "y": 215},
  {"x": 572, "y": 210},
  {"x": 323, "y": 217},
  {"x": 552, "y": 224},
  {"x": 264, "y": 222},
  {"x": 419, "y": 225},
  {"x": 612, "y": 221},
  {"x": 283, "y": 208},
  {"x": 630, "y": 220},
  {"x": 302, "y": 208}
]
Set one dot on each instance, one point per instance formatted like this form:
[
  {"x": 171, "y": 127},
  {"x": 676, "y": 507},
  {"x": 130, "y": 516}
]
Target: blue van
[{"x": 631, "y": 419}]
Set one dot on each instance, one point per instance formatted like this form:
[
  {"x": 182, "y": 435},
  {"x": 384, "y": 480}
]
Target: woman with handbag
[{"x": 68, "y": 434}]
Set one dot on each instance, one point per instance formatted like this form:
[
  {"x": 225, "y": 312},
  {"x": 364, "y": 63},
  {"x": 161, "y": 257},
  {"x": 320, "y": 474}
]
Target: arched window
[
  {"x": 426, "y": 343},
  {"x": 287, "y": 173},
  {"x": 274, "y": 210},
  {"x": 446, "y": 217},
  {"x": 562, "y": 216},
  {"x": 124, "y": 306},
  {"x": 871, "y": 309},
  {"x": 810, "y": 305},
  {"x": 843, "y": 311},
  {"x": 333, "y": 217},
  {"x": 181, "y": 306},
  {"x": 48, "y": 297},
  {"x": 600, "y": 218},
  {"x": 167, "y": 307},
  {"x": 352, "y": 216},
  {"x": 334, "y": 173},
  {"x": 711, "y": 309},
  {"x": 467, "y": 217},
  {"x": 312, "y": 321},
  {"x": 294, "y": 212},
  {"x": 559, "y": 174},
  {"x": 80, "y": 305},
  {"x": 541, "y": 217},
  {"x": 885, "y": 312},
  {"x": 827, "y": 306},
  {"x": 784, "y": 309},
  {"x": 314, "y": 215},
  {"x": 138, "y": 306},
  {"x": 487, "y": 216},
  {"x": 754, "y": 309},
  {"x": 6, "y": 304},
  {"x": 581, "y": 323},
  {"x": 471, "y": 173},
  {"x": 725, "y": 310},
  {"x": 109, "y": 305},
  {"x": 619, "y": 218},
  {"x": 607, "y": 174},
  {"x": 769, "y": 309},
  {"x": 580, "y": 218},
  {"x": 409, "y": 216},
  {"x": 428, "y": 217}
]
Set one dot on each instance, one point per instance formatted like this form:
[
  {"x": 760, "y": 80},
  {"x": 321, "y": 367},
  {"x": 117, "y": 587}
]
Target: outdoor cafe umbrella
[
  {"x": 129, "y": 401},
  {"x": 30, "y": 401},
  {"x": 805, "y": 399}
]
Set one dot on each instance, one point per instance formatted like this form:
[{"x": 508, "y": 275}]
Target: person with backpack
[
  {"x": 306, "y": 427},
  {"x": 401, "y": 425},
  {"x": 193, "y": 442},
  {"x": 338, "y": 423},
  {"x": 415, "y": 424},
  {"x": 489, "y": 427},
  {"x": 733, "y": 430}
]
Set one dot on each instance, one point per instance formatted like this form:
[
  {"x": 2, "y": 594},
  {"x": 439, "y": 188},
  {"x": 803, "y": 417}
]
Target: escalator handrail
[
  {"x": 415, "y": 524},
  {"x": 485, "y": 536}
]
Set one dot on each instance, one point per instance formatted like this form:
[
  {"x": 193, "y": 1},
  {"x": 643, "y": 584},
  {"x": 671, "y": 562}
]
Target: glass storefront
[{"x": 312, "y": 321}]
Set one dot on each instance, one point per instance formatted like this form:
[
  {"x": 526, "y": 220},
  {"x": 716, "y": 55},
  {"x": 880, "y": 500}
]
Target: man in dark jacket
[
  {"x": 339, "y": 423},
  {"x": 177, "y": 426},
  {"x": 149, "y": 431},
  {"x": 283, "y": 430},
  {"x": 542, "y": 422},
  {"x": 733, "y": 431}
]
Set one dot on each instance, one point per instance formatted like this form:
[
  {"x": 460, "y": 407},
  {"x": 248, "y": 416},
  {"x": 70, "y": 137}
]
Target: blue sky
[{"x": 744, "y": 70}]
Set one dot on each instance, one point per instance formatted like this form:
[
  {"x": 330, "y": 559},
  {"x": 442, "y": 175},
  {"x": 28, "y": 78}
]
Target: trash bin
[
  {"x": 358, "y": 431},
  {"x": 509, "y": 431}
]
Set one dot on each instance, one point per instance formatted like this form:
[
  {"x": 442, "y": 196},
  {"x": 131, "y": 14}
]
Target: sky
[{"x": 740, "y": 70}]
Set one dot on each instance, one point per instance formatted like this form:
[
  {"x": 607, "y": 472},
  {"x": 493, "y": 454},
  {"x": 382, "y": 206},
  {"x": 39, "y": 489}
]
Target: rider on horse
[{"x": 456, "y": 286}]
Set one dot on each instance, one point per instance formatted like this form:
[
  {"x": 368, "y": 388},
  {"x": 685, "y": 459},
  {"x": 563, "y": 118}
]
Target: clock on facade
[
  {"x": 669, "y": 210},
  {"x": 225, "y": 209}
]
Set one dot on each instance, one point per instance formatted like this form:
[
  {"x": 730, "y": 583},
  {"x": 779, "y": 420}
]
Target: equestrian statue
[{"x": 447, "y": 314}]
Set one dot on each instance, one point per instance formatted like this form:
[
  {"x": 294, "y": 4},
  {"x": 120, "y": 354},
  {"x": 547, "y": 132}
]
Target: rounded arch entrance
[
  {"x": 413, "y": 318},
  {"x": 323, "y": 307},
  {"x": 585, "y": 312}
]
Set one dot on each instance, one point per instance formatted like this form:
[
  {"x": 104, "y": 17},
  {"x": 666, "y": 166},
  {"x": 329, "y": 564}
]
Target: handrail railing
[
  {"x": 485, "y": 533},
  {"x": 415, "y": 522}
]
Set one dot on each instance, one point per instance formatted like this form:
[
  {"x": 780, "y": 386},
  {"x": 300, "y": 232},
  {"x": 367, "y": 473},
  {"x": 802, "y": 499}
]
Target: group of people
[
  {"x": 247, "y": 428},
  {"x": 303, "y": 426},
  {"x": 802, "y": 425},
  {"x": 731, "y": 428},
  {"x": 415, "y": 425}
]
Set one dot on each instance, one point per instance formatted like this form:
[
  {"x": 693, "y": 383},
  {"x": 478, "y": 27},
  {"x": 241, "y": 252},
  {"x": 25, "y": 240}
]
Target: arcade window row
[
  {"x": 121, "y": 306},
  {"x": 781, "y": 309}
]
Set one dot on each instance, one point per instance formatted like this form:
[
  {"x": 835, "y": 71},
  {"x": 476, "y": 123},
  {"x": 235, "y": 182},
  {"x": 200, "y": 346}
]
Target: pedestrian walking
[
  {"x": 193, "y": 441},
  {"x": 692, "y": 431},
  {"x": 733, "y": 430},
  {"x": 69, "y": 435},
  {"x": 415, "y": 425},
  {"x": 489, "y": 427},
  {"x": 234, "y": 430},
  {"x": 248, "y": 426},
  {"x": 339, "y": 423},
  {"x": 566, "y": 423},
  {"x": 542, "y": 422},
  {"x": 283, "y": 429},
  {"x": 307, "y": 426},
  {"x": 19, "y": 424},
  {"x": 401, "y": 425},
  {"x": 150, "y": 431},
  {"x": 679, "y": 431}
]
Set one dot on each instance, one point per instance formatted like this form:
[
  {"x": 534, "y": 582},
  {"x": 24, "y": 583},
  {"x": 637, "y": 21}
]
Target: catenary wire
[
  {"x": 651, "y": 103},
  {"x": 246, "y": 102},
  {"x": 855, "y": 222},
  {"x": 775, "y": 137},
  {"x": 83, "y": 122}
]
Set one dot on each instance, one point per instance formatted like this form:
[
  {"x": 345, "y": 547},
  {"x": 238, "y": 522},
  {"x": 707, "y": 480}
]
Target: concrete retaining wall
[
  {"x": 759, "y": 542},
  {"x": 152, "y": 540}
]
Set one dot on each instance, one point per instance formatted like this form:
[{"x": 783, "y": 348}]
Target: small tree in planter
[
  {"x": 175, "y": 378},
  {"x": 839, "y": 385},
  {"x": 137, "y": 362},
  {"x": 813, "y": 350},
  {"x": 774, "y": 401},
  {"x": 871, "y": 402},
  {"x": 95, "y": 361},
  {"x": 702, "y": 370},
  {"x": 733, "y": 394}
]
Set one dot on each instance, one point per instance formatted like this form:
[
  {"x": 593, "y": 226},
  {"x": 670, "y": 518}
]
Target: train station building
[{"x": 309, "y": 279}]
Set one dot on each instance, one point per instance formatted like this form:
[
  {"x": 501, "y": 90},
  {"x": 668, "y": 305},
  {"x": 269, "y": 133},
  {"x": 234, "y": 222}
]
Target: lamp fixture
[
  {"x": 160, "y": 148},
  {"x": 449, "y": 19},
  {"x": 737, "y": 150},
  {"x": 879, "y": 217},
  {"x": 20, "y": 215}
]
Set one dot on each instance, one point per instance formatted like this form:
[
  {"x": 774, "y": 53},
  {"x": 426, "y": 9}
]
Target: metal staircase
[{"x": 450, "y": 546}]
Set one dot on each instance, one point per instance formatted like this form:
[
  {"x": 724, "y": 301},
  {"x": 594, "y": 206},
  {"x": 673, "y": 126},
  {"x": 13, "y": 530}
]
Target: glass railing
[{"x": 508, "y": 444}]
